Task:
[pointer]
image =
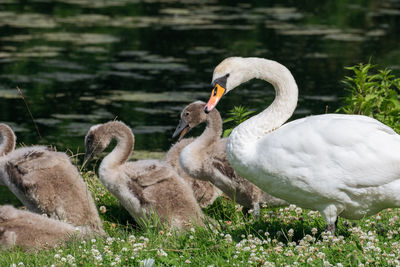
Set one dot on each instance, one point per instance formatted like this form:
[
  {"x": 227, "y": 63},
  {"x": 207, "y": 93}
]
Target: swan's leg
[
  {"x": 256, "y": 210},
  {"x": 330, "y": 214}
]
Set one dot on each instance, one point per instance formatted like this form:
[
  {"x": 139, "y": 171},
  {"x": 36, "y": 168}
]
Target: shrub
[{"x": 373, "y": 92}]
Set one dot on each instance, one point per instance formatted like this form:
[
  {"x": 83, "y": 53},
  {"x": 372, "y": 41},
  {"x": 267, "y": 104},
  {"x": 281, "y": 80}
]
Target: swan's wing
[
  {"x": 354, "y": 151},
  {"x": 24, "y": 166},
  {"x": 220, "y": 162},
  {"x": 147, "y": 172}
]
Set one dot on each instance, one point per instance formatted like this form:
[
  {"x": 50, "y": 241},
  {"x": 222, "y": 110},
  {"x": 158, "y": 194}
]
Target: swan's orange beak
[{"x": 216, "y": 95}]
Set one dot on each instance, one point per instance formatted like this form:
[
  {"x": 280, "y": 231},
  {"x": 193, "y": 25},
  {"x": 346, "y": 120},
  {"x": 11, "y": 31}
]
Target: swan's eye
[{"x": 227, "y": 75}]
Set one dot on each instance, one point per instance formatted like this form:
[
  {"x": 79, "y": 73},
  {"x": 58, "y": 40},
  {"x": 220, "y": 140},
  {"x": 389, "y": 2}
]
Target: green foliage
[
  {"x": 237, "y": 115},
  {"x": 374, "y": 93}
]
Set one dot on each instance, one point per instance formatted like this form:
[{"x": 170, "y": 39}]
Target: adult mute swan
[{"x": 340, "y": 165}]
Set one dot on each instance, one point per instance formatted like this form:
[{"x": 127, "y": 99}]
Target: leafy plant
[
  {"x": 374, "y": 93},
  {"x": 237, "y": 115}
]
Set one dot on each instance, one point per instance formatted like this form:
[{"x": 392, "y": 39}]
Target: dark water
[{"x": 83, "y": 62}]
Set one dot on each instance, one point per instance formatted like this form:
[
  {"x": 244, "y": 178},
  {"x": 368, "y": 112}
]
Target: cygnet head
[
  {"x": 7, "y": 139},
  {"x": 191, "y": 116},
  {"x": 95, "y": 141},
  {"x": 230, "y": 73}
]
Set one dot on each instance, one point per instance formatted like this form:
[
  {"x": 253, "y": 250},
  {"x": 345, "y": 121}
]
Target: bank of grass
[{"x": 280, "y": 236}]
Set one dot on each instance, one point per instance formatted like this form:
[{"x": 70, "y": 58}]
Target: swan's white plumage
[{"x": 347, "y": 165}]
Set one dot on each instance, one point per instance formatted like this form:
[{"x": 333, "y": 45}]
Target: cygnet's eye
[
  {"x": 186, "y": 113},
  {"x": 227, "y": 75}
]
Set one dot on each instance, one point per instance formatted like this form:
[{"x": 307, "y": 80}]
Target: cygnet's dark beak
[
  {"x": 182, "y": 128},
  {"x": 88, "y": 157}
]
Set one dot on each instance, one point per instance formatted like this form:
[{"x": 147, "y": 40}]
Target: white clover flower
[
  {"x": 228, "y": 238},
  {"x": 191, "y": 237},
  {"x": 298, "y": 210},
  {"x": 63, "y": 259},
  {"x": 149, "y": 262},
  {"x": 269, "y": 264},
  {"x": 21, "y": 264},
  {"x": 314, "y": 231},
  {"x": 321, "y": 255},
  {"x": 327, "y": 264},
  {"x": 161, "y": 253},
  {"x": 93, "y": 240},
  {"x": 188, "y": 261},
  {"x": 103, "y": 209},
  {"x": 56, "y": 256},
  {"x": 124, "y": 249},
  {"x": 110, "y": 240},
  {"x": 70, "y": 259},
  {"x": 339, "y": 265},
  {"x": 290, "y": 232}
]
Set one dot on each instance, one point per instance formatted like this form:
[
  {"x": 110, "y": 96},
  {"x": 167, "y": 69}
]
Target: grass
[{"x": 280, "y": 236}]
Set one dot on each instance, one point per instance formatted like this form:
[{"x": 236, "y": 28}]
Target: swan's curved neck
[
  {"x": 213, "y": 130},
  {"x": 192, "y": 154},
  {"x": 121, "y": 152},
  {"x": 7, "y": 140},
  {"x": 281, "y": 109}
]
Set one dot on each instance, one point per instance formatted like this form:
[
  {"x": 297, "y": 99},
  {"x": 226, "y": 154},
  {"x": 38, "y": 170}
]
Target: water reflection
[{"x": 83, "y": 62}]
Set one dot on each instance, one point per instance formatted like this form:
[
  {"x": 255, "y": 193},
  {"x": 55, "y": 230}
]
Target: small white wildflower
[
  {"x": 149, "y": 262},
  {"x": 298, "y": 210},
  {"x": 188, "y": 261},
  {"x": 290, "y": 232},
  {"x": 192, "y": 230},
  {"x": 56, "y": 256},
  {"x": 124, "y": 249},
  {"x": 70, "y": 259},
  {"x": 161, "y": 253},
  {"x": 103, "y": 209},
  {"x": 339, "y": 265},
  {"x": 93, "y": 240},
  {"x": 314, "y": 231},
  {"x": 63, "y": 259},
  {"x": 21, "y": 264},
  {"x": 191, "y": 237}
]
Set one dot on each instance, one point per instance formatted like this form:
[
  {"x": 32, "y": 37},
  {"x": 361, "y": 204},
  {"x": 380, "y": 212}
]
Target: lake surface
[{"x": 83, "y": 62}]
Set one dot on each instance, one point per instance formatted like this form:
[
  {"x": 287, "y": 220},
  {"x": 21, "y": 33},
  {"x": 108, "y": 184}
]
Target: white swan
[{"x": 340, "y": 165}]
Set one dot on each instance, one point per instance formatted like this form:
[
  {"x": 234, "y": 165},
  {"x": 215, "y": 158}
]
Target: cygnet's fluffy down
[
  {"x": 47, "y": 182},
  {"x": 205, "y": 159},
  {"x": 33, "y": 231},
  {"x": 204, "y": 191},
  {"x": 143, "y": 187}
]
